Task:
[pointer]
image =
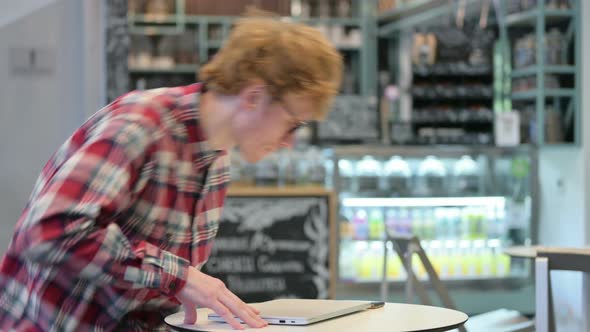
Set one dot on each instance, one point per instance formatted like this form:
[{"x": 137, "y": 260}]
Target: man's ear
[{"x": 252, "y": 95}]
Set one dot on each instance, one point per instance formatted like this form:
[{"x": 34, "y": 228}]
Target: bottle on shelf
[
  {"x": 468, "y": 226},
  {"x": 302, "y": 167},
  {"x": 376, "y": 224},
  {"x": 346, "y": 267},
  {"x": 394, "y": 268},
  {"x": 391, "y": 221},
  {"x": 468, "y": 260},
  {"x": 368, "y": 173},
  {"x": 346, "y": 227},
  {"x": 287, "y": 169},
  {"x": 445, "y": 263},
  {"x": 317, "y": 170},
  {"x": 501, "y": 262},
  {"x": 480, "y": 223},
  {"x": 375, "y": 260},
  {"x": 429, "y": 226},
  {"x": 477, "y": 252},
  {"x": 454, "y": 222},
  {"x": 465, "y": 259},
  {"x": 328, "y": 169},
  {"x": 398, "y": 176},
  {"x": 434, "y": 256},
  {"x": 466, "y": 177},
  {"x": 496, "y": 223},
  {"x": 411, "y": 222},
  {"x": 267, "y": 171},
  {"x": 442, "y": 222},
  {"x": 418, "y": 228},
  {"x": 431, "y": 180},
  {"x": 347, "y": 175},
  {"x": 361, "y": 261},
  {"x": 455, "y": 262},
  {"x": 487, "y": 262},
  {"x": 360, "y": 224}
]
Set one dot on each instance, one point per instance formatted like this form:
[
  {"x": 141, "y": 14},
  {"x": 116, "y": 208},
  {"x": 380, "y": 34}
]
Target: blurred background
[{"x": 460, "y": 122}]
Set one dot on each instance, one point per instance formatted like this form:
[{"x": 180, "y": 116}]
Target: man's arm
[
  {"x": 69, "y": 222},
  {"x": 65, "y": 225}
]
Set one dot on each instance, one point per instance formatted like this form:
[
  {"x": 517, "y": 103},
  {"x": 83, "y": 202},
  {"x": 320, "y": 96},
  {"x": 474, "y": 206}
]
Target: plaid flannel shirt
[{"x": 117, "y": 215}]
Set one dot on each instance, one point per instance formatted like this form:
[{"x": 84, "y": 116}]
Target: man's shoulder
[
  {"x": 168, "y": 97},
  {"x": 153, "y": 105}
]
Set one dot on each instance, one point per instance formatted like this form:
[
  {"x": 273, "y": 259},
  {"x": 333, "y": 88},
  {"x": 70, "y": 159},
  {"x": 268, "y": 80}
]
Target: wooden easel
[{"x": 406, "y": 246}]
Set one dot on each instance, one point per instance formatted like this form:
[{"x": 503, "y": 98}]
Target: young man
[{"x": 124, "y": 214}]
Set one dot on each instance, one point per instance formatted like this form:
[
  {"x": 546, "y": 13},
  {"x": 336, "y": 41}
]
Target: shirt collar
[{"x": 203, "y": 152}]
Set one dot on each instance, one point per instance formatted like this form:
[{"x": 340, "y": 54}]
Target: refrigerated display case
[{"x": 466, "y": 204}]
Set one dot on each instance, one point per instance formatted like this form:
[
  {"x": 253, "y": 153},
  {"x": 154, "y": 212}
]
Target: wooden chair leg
[{"x": 544, "y": 321}]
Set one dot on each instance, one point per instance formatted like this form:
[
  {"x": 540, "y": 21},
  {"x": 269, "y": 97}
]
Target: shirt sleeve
[{"x": 71, "y": 224}]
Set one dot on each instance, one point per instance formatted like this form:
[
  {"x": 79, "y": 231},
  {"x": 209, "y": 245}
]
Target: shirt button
[{"x": 172, "y": 286}]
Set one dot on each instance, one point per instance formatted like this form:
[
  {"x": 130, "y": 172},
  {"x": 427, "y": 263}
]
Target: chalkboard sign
[{"x": 275, "y": 246}]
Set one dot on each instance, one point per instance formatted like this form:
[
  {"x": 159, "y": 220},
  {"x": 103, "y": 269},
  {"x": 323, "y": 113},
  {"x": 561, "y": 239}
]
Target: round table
[
  {"x": 522, "y": 251},
  {"x": 392, "y": 317},
  {"x": 532, "y": 251}
]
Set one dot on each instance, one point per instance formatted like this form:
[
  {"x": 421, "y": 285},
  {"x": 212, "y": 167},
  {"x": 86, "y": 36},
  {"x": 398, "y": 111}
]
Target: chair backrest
[
  {"x": 554, "y": 258},
  {"x": 568, "y": 259}
]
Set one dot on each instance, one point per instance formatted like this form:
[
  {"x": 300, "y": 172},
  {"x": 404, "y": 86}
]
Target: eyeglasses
[{"x": 299, "y": 123}]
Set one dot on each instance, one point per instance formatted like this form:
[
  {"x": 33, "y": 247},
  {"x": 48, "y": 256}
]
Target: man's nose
[{"x": 288, "y": 141}]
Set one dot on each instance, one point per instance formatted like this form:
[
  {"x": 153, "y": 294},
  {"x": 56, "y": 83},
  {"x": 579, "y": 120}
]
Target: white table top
[
  {"x": 522, "y": 251},
  {"x": 531, "y": 251},
  {"x": 392, "y": 317}
]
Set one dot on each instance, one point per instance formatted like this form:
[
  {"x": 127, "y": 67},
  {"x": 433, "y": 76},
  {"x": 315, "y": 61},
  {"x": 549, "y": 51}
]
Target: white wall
[
  {"x": 562, "y": 218},
  {"x": 11, "y": 10},
  {"x": 585, "y": 92},
  {"x": 39, "y": 111},
  {"x": 565, "y": 212}
]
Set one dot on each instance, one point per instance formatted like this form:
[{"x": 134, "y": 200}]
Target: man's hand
[{"x": 205, "y": 291}]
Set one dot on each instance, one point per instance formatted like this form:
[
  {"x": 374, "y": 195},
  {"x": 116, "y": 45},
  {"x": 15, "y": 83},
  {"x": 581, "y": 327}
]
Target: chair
[
  {"x": 551, "y": 259},
  {"x": 502, "y": 320}
]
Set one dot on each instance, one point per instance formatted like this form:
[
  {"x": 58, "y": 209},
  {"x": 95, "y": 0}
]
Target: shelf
[
  {"x": 514, "y": 277},
  {"x": 422, "y": 201},
  {"x": 346, "y": 21},
  {"x": 348, "y": 47},
  {"x": 179, "y": 69},
  {"x": 451, "y": 70},
  {"x": 452, "y": 97},
  {"x": 423, "y": 14},
  {"x": 149, "y": 25},
  {"x": 529, "y": 17},
  {"x": 549, "y": 93},
  {"x": 451, "y": 124},
  {"x": 155, "y": 30},
  {"x": 347, "y": 151},
  {"x": 442, "y": 243},
  {"x": 302, "y": 191},
  {"x": 414, "y": 7},
  {"x": 219, "y": 44},
  {"x": 214, "y": 44},
  {"x": 152, "y": 19},
  {"x": 197, "y": 19},
  {"x": 561, "y": 146},
  {"x": 532, "y": 70}
]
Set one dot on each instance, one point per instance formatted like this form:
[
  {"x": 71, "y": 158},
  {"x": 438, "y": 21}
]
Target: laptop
[{"x": 302, "y": 312}]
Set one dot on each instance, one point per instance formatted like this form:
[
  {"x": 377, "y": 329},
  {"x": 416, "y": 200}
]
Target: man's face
[{"x": 268, "y": 123}]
